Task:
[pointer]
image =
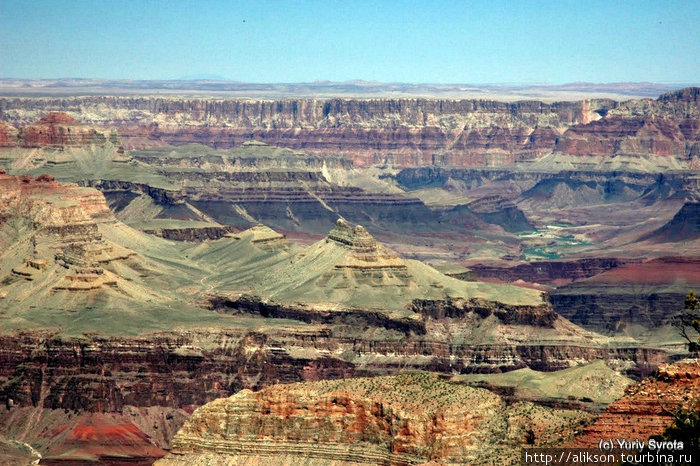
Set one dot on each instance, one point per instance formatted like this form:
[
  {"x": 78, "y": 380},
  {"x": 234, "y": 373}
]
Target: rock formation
[
  {"x": 8, "y": 135},
  {"x": 555, "y": 272},
  {"x": 405, "y": 419},
  {"x": 66, "y": 234},
  {"x": 402, "y": 132},
  {"x": 649, "y": 294},
  {"x": 59, "y": 130},
  {"x": 684, "y": 226},
  {"x": 647, "y": 407}
]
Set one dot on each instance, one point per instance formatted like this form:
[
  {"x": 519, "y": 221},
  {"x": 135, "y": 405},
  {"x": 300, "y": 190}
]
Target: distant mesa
[
  {"x": 57, "y": 118},
  {"x": 55, "y": 130},
  {"x": 58, "y": 130}
]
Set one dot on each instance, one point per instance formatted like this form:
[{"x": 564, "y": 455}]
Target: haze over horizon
[{"x": 302, "y": 42}]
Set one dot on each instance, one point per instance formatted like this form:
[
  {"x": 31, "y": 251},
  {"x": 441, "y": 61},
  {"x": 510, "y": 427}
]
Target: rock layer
[
  {"x": 402, "y": 132},
  {"x": 59, "y": 130},
  {"x": 647, "y": 407},
  {"x": 406, "y": 419}
]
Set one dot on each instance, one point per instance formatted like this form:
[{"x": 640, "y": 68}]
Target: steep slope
[
  {"x": 684, "y": 226},
  {"x": 634, "y": 299},
  {"x": 647, "y": 407},
  {"x": 403, "y": 132},
  {"x": 63, "y": 263}
]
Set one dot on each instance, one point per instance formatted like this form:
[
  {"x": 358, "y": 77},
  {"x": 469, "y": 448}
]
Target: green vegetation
[{"x": 688, "y": 323}]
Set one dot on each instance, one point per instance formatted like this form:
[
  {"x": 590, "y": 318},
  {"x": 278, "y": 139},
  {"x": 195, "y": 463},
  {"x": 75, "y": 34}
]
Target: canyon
[
  {"x": 397, "y": 132},
  {"x": 178, "y": 274}
]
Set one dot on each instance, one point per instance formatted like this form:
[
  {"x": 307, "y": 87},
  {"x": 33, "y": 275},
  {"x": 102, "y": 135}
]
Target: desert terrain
[{"x": 205, "y": 272}]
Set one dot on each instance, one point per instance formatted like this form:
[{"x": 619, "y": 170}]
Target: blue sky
[{"x": 390, "y": 41}]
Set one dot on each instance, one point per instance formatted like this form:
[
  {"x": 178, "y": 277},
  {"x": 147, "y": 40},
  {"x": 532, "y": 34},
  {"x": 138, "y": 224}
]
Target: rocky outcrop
[
  {"x": 536, "y": 316},
  {"x": 8, "y": 135},
  {"x": 64, "y": 220},
  {"x": 649, "y": 294},
  {"x": 192, "y": 235},
  {"x": 159, "y": 195},
  {"x": 59, "y": 130},
  {"x": 667, "y": 127},
  {"x": 647, "y": 407},
  {"x": 402, "y": 132},
  {"x": 406, "y": 419},
  {"x": 495, "y": 210},
  {"x": 625, "y": 136},
  {"x": 549, "y": 271}
]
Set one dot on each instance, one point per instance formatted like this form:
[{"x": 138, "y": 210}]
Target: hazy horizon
[{"x": 485, "y": 43}]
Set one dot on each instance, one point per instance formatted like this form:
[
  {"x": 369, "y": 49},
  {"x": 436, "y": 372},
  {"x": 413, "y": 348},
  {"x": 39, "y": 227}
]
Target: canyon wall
[
  {"x": 403, "y": 132},
  {"x": 400, "y": 132},
  {"x": 188, "y": 369}
]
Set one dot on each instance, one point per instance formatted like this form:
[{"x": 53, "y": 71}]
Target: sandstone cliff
[
  {"x": 401, "y": 132},
  {"x": 647, "y": 407},
  {"x": 406, "y": 419},
  {"x": 8, "y": 135},
  {"x": 59, "y": 130}
]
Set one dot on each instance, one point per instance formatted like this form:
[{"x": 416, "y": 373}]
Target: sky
[{"x": 479, "y": 42}]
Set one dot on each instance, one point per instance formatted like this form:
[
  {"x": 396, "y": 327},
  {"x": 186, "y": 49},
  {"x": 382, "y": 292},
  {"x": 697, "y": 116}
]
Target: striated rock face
[
  {"x": 403, "y": 132},
  {"x": 364, "y": 252},
  {"x": 193, "y": 235},
  {"x": 8, "y": 135},
  {"x": 666, "y": 127},
  {"x": 406, "y": 419},
  {"x": 60, "y": 130},
  {"x": 647, "y": 407},
  {"x": 65, "y": 223},
  {"x": 549, "y": 271},
  {"x": 626, "y": 136},
  {"x": 649, "y": 294}
]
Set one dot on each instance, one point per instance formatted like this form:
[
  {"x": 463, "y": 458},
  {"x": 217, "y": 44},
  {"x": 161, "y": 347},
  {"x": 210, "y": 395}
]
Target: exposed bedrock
[
  {"x": 104, "y": 375},
  {"x": 561, "y": 189},
  {"x": 624, "y": 135},
  {"x": 189, "y": 369},
  {"x": 403, "y": 131},
  {"x": 159, "y": 195},
  {"x": 647, "y": 408},
  {"x": 402, "y": 420},
  {"x": 495, "y": 210},
  {"x": 193, "y": 235},
  {"x": 648, "y": 294},
  {"x": 318, "y": 209},
  {"x": 8, "y": 135},
  {"x": 684, "y": 226},
  {"x": 537, "y": 316},
  {"x": 549, "y": 271}
]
